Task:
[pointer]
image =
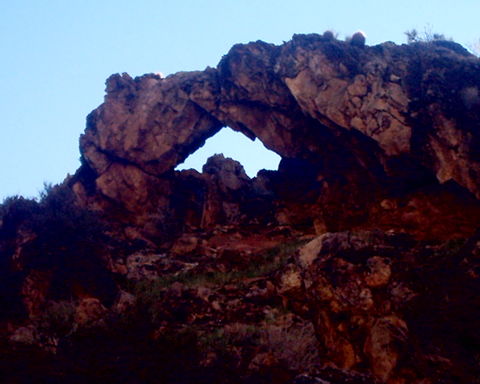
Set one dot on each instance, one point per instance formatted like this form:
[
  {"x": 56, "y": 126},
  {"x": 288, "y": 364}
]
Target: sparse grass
[
  {"x": 153, "y": 294},
  {"x": 268, "y": 262},
  {"x": 230, "y": 335}
]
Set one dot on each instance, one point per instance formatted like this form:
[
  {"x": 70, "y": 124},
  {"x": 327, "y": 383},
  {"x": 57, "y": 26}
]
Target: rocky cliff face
[
  {"x": 373, "y": 132},
  {"x": 355, "y": 262}
]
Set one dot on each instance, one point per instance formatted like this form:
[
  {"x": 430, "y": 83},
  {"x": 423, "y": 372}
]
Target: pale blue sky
[{"x": 56, "y": 55}]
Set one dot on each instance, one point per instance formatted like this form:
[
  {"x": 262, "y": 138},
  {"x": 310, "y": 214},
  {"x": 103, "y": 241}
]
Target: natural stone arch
[
  {"x": 346, "y": 114},
  {"x": 154, "y": 123},
  {"x": 148, "y": 125}
]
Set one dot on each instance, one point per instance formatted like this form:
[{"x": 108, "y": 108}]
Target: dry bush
[
  {"x": 427, "y": 36},
  {"x": 293, "y": 342},
  {"x": 289, "y": 339}
]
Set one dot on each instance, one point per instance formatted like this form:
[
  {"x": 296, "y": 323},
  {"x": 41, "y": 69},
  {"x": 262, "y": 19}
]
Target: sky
[{"x": 56, "y": 55}]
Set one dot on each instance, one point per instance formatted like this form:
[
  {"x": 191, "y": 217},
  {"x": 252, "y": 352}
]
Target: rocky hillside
[{"x": 356, "y": 262}]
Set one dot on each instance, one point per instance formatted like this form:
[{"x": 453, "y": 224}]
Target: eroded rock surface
[
  {"x": 361, "y": 126},
  {"x": 378, "y": 300}
]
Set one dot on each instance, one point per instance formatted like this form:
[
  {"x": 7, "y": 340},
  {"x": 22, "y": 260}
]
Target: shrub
[
  {"x": 290, "y": 340},
  {"x": 358, "y": 39},
  {"x": 14, "y": 212},
  {"x": 293, "y": 343},
  {"x": 62, "y": 237},
  {"x": 413, "y": 36}
]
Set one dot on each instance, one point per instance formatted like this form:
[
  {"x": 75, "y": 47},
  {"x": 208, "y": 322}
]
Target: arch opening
[{"x": 253, "y": 155}]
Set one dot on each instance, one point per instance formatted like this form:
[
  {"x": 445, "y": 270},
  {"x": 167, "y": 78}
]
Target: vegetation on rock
[{"x": 356, "y": 262}]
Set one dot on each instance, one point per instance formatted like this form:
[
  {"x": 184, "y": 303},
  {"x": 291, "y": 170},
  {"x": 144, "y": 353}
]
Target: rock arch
[{"x": 346, "y": 116}]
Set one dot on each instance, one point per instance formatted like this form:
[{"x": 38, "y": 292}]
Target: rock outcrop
[
  {"x": 383, "y": 304},
  {"x": 367, "y": 136},
  {"x": 357, "y": 261}
]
